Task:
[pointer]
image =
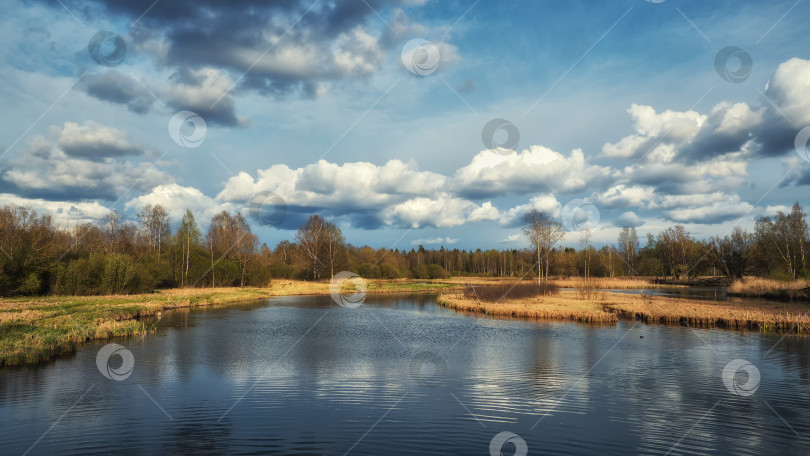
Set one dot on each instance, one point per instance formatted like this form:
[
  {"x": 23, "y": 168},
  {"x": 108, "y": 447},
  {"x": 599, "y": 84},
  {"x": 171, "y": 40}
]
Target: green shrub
[{"x": 31, "y": 285}]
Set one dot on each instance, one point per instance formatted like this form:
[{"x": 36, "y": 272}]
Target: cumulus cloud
[
  {"x": 706, "y": 209},
  {"x": 622, "y": 195},
  {"x": 177, "y": 198},
  {"x": 63, "y": 213},
  {"x": 95, "y": 141},
  {"x": 544, "y": 203},
  {"x": 729, "y": 129},
  {"x": 85, "y": 161},
  {"x": 510, "y": 239},
  {"x": 324, "y": 185},
  {"x": 206, "y": 92},
  {"x": 435, "y": 241},
  {"x": 629, "y": 219},
  {"x": 440, "y": 211},
  {"x": 534, "y": 169}
]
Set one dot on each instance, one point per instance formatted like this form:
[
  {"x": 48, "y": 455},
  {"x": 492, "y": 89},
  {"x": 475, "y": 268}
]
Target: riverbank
[
  {"x": 40, "y": 328},
  {"x": 36, "y": 329},
  {"x": 602, "y": 307}
]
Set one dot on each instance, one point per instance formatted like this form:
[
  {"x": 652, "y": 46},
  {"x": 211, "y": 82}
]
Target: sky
[{"x": 409, "y": 122}]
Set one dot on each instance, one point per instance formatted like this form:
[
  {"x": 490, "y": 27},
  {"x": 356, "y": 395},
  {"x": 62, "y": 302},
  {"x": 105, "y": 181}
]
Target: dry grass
[
  {"x": 280, "y": 287},
  {"x": 606, "y": 307},
  {"x": 778, "y": 317},
  {"x": 33, "y": 330},
  {"x": 609, "y": 283},
  {"x": 41, "y": 328},
  {"x": 755, "y": 286},
  {"x": 565, "y": 306}
]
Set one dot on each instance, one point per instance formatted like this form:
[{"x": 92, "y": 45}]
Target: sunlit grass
[
  {"x": 756, "y": 286},
  {"x": 609, "y": 283},
  {"x": 569, "y": 305},
  {"x": 36, "y": 329},
  {"x": 564, "y": 306}
]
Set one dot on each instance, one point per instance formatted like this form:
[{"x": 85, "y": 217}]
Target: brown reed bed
[
  {"x": 565, "y": 306},
  {"x": 769, "y": 288},
  {"x": 608, "y": 307},
  {"x": 609, "y": 283}
]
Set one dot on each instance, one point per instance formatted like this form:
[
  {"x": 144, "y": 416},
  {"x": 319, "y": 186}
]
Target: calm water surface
[{"x": 399, "y": 375}]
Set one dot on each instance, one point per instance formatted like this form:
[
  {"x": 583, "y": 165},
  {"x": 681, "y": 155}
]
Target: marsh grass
[
  {"x": 34, "y": 330},
  {"x": 610, "y": 283},
  {"x": 607, "y": 307},
  {"x": 564, "y": 307},
  {"x": 41, "y": 328},
  {"x": 756, "y": 286}
]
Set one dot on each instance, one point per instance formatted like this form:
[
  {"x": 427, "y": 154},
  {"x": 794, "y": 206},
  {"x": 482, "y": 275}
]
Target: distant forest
[{"x": 117, "y": 256}]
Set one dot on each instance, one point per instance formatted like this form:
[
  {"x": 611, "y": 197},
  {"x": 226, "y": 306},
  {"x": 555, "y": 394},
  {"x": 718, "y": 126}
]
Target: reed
[
  {"x": 609, "y": 283},
  {"x": 568, "y": 305},
  {"x": 564, "y": 307},
  {"x": 756, "y": 286}
]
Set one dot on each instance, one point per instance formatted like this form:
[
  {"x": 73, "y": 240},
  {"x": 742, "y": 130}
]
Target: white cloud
[
  {"x": 706, "y": 209},
  {"x": 629, "y": 219},
  {"x": 64, "y": 213},
  {"x": 359, "y": 185},
  {"x": 176, "y": 199},
  {"x": 441, "y": 211},
  {"x": 435, "y": 241},
  {"x": 543, "y": 203},
  {"x": 654, "y": 132},
  {"x": 622, "y": 195},
  {"x": 790, "y": 89},
  {"x": 46, "y": 170},
  {"x": 510, "y": 239},
  {"x": 534, "y": 169}
]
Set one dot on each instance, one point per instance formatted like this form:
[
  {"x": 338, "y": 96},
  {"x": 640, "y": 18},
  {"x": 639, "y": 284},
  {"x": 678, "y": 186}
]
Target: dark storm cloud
[
  {"x": 116, "y": 87},
  {"x": 234, "y": 34}
]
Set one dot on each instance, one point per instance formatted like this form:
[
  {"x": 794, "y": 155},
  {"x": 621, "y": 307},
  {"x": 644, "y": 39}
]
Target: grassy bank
[
  {"x": 301, "y": 287},
  {"x": 772, "y": 289},
  {"x": 37, "y": 329},
  {"x": 607, "y": 307}
]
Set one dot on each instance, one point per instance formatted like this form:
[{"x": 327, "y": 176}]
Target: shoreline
[{"x": 39, "y": 329}]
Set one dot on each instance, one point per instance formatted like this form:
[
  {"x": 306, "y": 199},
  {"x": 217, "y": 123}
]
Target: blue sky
[{"x": 619, "y": 106}]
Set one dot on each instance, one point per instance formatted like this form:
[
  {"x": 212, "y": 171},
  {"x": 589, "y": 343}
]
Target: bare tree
[
  {"x": 188, "y": 236},
  {"x": 585, "y": 239},
  {"x": 543, "y": 233},
  {"x": 628, "y": 247}
]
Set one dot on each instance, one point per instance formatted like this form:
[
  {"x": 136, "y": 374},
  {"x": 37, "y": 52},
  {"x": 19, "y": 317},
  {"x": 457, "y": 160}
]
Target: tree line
[
  {"x": 777, "y": 248},
  {"x": 116, "y": 255}
]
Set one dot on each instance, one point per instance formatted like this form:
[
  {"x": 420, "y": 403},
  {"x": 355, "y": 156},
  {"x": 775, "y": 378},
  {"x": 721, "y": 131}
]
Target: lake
[{"x": 400, "y": 375}]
